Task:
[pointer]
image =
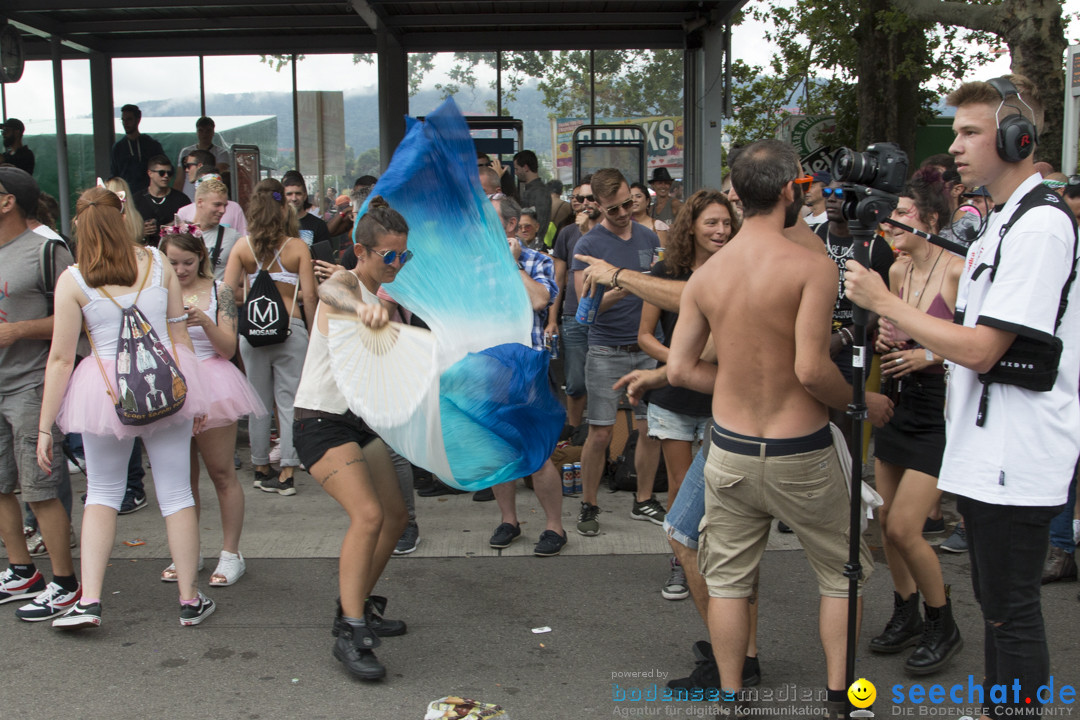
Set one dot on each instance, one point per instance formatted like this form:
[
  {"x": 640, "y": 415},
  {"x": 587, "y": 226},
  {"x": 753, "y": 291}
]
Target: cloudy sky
[{"x": 31, "y": 98}]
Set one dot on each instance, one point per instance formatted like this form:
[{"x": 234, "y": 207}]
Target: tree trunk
[
  {"x": 1035, "y": 35},
  {"x": 888, "y": 96},
  {"x": 1036, "y": 39}
]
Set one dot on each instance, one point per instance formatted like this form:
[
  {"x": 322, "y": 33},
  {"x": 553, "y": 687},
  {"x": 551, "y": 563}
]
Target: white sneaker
[{"x": 230, "y": 568}]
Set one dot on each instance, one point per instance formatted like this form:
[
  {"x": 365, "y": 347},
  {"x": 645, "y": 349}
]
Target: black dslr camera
[{"x": 883, "y": 167}]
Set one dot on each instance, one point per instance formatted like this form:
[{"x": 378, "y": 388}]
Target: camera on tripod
[
  {"x": 871, "y": 180},
  {"x": 883, "y": 167}
]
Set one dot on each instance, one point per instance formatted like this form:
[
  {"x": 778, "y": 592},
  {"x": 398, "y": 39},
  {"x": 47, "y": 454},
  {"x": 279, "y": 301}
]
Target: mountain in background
[{"x": 361, "y": 113}]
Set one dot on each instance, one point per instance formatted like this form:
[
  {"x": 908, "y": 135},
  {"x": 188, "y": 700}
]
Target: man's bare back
[{"x": 768, "y": 304}]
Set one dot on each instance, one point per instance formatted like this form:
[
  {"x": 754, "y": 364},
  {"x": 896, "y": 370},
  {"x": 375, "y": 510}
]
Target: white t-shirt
[{"x": 1025, "y": 452}]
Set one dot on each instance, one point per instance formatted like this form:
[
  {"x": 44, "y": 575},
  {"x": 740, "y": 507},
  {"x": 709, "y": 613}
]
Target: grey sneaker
[
  {"x": 650, "y": 510},
  {"x": 675, "y": 588},
  {"x": 957, "y": 542},
  {"x": 587, "y": 522},
  {"x": 408, "y": 541}
]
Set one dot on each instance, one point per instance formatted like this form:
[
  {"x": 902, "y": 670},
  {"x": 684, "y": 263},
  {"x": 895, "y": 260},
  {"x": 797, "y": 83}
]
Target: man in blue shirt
[{"x": 613, "y": 348}]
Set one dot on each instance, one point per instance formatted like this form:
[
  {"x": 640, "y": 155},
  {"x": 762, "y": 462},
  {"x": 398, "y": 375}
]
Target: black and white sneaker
[
  {"x": 13, "y": 587},
  {"x": 195, "y": 614},
  {"x": 79, "y": 617},
  {"x": 54, "y": 601},
  {"x": 270, "y": 478},
  {"x": 650, "y": 510},
  {"x": 132, "y": 503}
]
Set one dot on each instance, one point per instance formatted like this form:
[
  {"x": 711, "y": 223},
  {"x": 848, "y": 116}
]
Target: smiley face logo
[{"x": 862, "y": 693}]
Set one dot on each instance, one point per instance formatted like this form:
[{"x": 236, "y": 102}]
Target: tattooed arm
[
  {"x": 223, "y": 335},
  {"x": 342, "y": 293}
]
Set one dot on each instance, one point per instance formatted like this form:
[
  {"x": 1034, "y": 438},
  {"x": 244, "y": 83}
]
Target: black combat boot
[
  {"x": 354, "y": 646},
  {"x": 904, "y": 628},
  {"x": 940, "y": 640}
]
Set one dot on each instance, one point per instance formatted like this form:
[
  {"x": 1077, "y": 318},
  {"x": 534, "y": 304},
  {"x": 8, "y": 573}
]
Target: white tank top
[
  {"x": 317, "y": 389},
  {"x": 102, "y": 315},
  {"x": 204, "y": 349}
]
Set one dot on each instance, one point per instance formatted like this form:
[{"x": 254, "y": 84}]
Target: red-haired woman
[{"x": 113, "y": 273}]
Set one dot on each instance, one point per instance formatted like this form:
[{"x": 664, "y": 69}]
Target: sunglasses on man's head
[
  {"x": 832, "y": 192},
  {"x": 585, "y": 198},
  {"x": 806, "y": 181},
  {"x": 162, "y": 173},
  {"x": 614, "y": 209},
  {"x": 388, "y": 256}
]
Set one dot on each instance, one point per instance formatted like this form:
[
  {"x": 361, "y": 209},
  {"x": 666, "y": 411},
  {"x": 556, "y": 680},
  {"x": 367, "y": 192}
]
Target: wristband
[
  {"x": 45, "y": 432},
  {"x": 182, "y": 318},
  {"x": 615, "y": 279},
  {"x": 929, "y": 356}
]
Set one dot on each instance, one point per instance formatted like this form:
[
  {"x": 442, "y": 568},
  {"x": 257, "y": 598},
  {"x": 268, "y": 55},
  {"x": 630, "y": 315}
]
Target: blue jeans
[
  {"x": 575, "y": 341},
  {"x": 136, "y": 472},
  {"x": 684, "y": 517},
  {"x": 1061, "y": 527},
  {"x": 1007, "y": 545}
]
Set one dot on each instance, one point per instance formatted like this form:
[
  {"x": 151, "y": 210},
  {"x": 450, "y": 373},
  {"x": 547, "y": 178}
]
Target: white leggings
[{"x": 169, "y": 450}]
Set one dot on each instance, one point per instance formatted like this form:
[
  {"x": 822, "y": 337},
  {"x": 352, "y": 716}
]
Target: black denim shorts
[{"x": 314, "y": 433}]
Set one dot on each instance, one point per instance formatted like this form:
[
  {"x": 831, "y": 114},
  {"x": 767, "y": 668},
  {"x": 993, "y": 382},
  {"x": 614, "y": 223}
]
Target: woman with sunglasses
[
  {"x": 348, "y": 459},
  {"x": 677, "y": 416},
  {"x": 642, "y": 201},
  {"x": 274, "y": 370},
  {"x": 908, "y": 450}
]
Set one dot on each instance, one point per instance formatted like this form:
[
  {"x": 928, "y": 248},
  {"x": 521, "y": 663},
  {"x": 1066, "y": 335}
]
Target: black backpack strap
[
  {"x": 216, "y": 254},
  {"x": 47, "y": 264},
  {"x": 1041, "y": 196}
]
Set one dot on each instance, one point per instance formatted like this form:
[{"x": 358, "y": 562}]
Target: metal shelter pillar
[
  {"x": 707, "y": 79},
  {"x": 64, "y": 183},
  {"x": 101, "y": 107},
  {"x": 393, "y": 94}
]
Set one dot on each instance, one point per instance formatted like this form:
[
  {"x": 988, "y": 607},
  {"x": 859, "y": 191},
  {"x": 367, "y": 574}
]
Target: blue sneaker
[{"x": 504, "y": 535}]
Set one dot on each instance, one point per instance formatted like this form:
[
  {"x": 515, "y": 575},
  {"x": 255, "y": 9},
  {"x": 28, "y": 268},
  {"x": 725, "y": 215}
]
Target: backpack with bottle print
[{"x": 149, "y": 384}]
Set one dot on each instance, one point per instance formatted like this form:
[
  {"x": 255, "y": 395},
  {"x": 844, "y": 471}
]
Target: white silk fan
[{"x": 383, "y": 374}]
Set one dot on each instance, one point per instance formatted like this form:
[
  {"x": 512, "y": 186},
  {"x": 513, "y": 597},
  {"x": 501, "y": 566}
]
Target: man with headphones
[{"x": 1011, "y": 448}]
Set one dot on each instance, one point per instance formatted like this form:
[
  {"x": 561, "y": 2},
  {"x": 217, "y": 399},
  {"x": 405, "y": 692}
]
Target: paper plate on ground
[{"x": 383, "y": 374}]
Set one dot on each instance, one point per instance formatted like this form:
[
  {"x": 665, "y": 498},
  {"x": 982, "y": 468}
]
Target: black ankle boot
[
  {"x": 353, "y": 648},
  {"x": 940, "y": 640},
  {"x": 904, "y": 628},
  {"x": 374, "y": 607}
]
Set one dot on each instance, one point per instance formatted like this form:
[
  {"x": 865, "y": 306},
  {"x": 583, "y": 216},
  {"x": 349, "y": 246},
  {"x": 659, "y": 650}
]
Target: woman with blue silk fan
[{"x": 340, "y": 450}]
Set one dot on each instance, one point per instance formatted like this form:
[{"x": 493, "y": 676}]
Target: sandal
[
  {"x": 230, "y": 568},
  {"x": 169, "y": 573}
]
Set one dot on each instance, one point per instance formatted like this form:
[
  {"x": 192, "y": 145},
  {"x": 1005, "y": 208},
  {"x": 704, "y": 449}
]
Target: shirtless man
[{"x": 768, "y": 306}]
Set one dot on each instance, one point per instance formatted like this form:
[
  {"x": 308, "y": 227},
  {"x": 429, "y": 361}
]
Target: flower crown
[{"x": 180, "y": 228}]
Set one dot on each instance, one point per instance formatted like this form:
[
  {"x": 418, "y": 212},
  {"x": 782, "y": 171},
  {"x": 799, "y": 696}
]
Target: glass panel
[
  {"x": 169, "y": 109},
  {"x": 31, "y": 100},
  {"x": 355, "y": 77},
  {"x": 251, "y": 104}
]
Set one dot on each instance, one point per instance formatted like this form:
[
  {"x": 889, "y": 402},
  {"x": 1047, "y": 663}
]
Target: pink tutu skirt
[
  {"x": 233, "y": 397},
  {"x": 88, "y": 408}
]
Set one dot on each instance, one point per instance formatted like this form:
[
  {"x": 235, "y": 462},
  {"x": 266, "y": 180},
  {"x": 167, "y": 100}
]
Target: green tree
[
  {"x": 884, "y": 70},
  {"x": 1034, "y": 31}
]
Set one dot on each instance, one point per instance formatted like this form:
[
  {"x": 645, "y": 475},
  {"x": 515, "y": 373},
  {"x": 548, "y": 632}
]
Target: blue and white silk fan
[{"x": 486, "y": 414}]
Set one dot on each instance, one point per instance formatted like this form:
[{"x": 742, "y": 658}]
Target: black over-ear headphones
[{"x": 1016, "y": 134}]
